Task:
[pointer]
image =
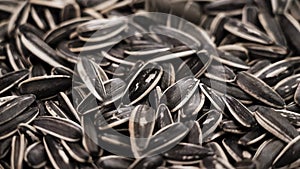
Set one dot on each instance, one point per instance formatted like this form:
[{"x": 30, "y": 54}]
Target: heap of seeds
[{"x": 83, "y": 86}]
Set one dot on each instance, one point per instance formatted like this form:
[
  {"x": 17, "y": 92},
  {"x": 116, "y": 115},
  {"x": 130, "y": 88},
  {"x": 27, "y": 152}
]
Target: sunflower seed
[
  {"x": 90, "y": 138},
  {"x": 224, "y": 6},
  {"x": 240, "y": 112},
  {"x": 76, "y": 151},
  {"x": 297, "y": 95},
  {"x": 56, "y": 153},
  {"x": 267, "y": 152},
  {"x": 9, "y": 128},
  {"x": 61, "y": 128},
  {"x": 19, "y": 17},
  {"x": 15, "y": 107},
  {"x": 252, "y": 137},
  {"x": 163, "y": 117},
  {"x": 162, "y": 140},
  {"x": 272, "y": 28},
  {"x": 220, "y": 73},
  {"x": 70, "y": 11},
  {"x": 168, "y": 76},
  {"x": 209, "y": 122},
  {"x": 275, "y": 124},
  {"x": 141, "y": 125},
  {"x": 233, "y": 149},
  {"x": 9, "y": 80},
  {"x": 39, "y": 86},
  {"x": 288, "y": 154},
  {"x": 5, "y": 147},
  {"x": 247, "y": 31},
  {"x": 147, "y": 162},
  {"x": 275, "y": 72},
  {"x": 186, "y": 153},
  {"x": 287, "y": 87},
  {"x": 100, "y": 30},
  {"x": 35, "y": 155},
  {"x": 195, "y": 134},
  {"x": 18, "y": 146},
  {"x": 174, "y": 97},
  {"x": 290, "y": 29},
  {"x": 114, "y": 162},
  {"x": 40, "y": 49},
  {"x": 142, "y": 83},
  {"x": 259, "y": 90},
  {"x": 250, "y": 14}
]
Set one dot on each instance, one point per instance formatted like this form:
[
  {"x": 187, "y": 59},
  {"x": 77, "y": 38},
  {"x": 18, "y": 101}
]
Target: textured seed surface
[{"x": 149, "y": 84}]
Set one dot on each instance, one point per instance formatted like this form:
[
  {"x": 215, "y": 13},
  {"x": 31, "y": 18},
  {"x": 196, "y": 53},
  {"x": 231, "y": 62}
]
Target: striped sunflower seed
[
  {"x": 259, "y": 90},
  {"x": 35, "y": 155},
  {"x": 275, "y": 124},
  {"x": 58, "y": 127}
]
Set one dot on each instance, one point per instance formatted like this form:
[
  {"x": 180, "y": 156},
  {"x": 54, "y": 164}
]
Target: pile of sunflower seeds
[{"x": 83, "y": 86}]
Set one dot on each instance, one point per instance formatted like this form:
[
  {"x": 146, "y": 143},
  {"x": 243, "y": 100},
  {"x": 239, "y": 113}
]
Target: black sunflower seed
[
  {"x": 5, "y": 147},
  {"x": 9, "y": 128},
  {"x": 240, "y": 112},
  {"x": 287, "y": 87},
  {"x": 18, "y": 146},
  {"x": 267, "y": 152},
  {"x": 259, "y": 90},
  {"x": 247, "y": 31},
  {"x": 9, "y": 80},
  {"x": 56, "y": 153},
  {"x": 15, "y": 107},
  {"x": 297, "y": 95},
  {"x": 61, "y": 128},
  {"x": 114, "y": 162},
  {"x": 142, "y": 83},
  {"x": 163, "y": 117},
  {"x": 179, "y": 93},
  {"x": 141, "y": 125},
  {"x": 76, "y": 151},
  {"x": 40, "y": 87},
  {"x": 288, "y": 154},
  {"x": 276, "y": 124},
  {"x": 185, "y": 153},
  {"x": 35, "y": 155}
]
